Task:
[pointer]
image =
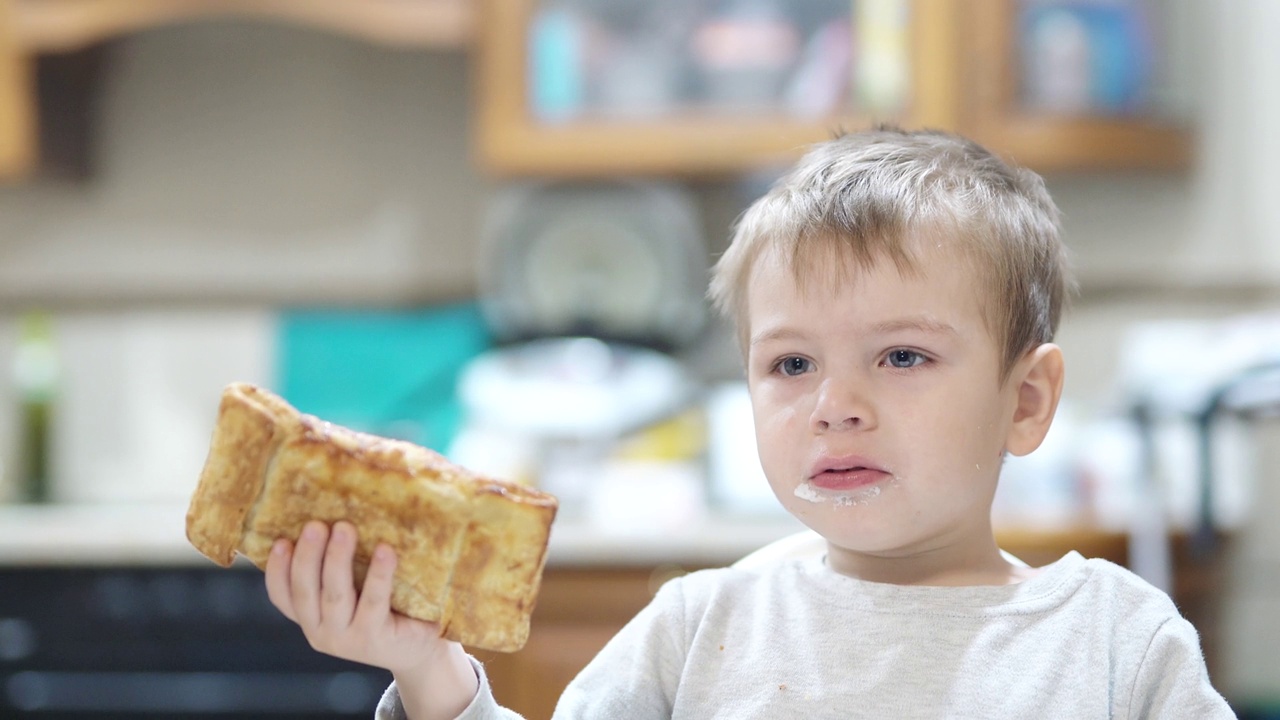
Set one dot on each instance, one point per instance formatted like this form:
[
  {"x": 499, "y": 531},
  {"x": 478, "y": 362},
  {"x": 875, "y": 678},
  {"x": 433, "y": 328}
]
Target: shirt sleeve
[
  {"x": 482, "y": 707},
  {"x": 1173, "y": 681},
  {"x": 637, "y": 672}
]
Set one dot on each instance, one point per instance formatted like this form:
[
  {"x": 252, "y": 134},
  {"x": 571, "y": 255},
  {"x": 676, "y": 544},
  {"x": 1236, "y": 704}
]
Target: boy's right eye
[{"x": 794, "y": 365}]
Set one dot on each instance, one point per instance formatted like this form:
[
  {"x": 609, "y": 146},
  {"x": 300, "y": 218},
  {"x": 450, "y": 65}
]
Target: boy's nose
[{"x": 840, "y": 406}]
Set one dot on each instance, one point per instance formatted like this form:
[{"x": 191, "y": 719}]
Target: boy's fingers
[
  {"x": 304, "y": 575},
  {"x": 374, "y": 605},
  {"x": 278, "y": 590},
  {"x": 337, "y": 588}
]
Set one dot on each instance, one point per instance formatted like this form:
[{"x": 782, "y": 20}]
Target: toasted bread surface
[{"x": 470, "y": 549}]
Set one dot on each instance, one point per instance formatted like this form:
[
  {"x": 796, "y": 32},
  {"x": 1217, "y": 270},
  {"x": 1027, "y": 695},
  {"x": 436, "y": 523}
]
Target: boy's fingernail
[
  {"x": 279, "y": 548},
  {"x": 311, "y": 531},
  {"x": 382, "y": 553}
]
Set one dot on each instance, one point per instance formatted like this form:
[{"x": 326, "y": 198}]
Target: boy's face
[{"x": 880, "y": 413}]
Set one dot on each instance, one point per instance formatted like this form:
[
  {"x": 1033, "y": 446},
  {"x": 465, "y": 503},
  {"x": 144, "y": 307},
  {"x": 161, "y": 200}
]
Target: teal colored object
[{"x": 387, "y": 372}]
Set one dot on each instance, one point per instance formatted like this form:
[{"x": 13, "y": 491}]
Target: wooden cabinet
[
  {"x": 31, "y": 28},
  {"x": 959, "y": 72}
]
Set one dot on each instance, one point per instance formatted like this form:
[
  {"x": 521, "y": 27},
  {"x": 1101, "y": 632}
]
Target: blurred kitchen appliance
[
  {"x": 552, "y": 411},
  {"x": 182, "y": 643},
  {"x": 1191, "y": 389},
  {"x": 1251, "y": 395},
  {"x": 589, "y": 290},
  {"x": 622, "y": 261}
]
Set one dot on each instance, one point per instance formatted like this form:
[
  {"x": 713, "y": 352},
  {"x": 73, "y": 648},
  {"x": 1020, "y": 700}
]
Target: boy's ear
[{"x": 1038, "y": 377}]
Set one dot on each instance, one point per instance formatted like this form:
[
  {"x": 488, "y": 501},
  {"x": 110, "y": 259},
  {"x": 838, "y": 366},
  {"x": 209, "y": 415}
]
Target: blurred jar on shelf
[
  {"x": 35, "y": 381},
  {"x": 1087, "y": 57}
]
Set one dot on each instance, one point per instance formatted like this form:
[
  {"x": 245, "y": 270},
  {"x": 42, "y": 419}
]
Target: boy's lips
[{"x": 846, "y": 473}]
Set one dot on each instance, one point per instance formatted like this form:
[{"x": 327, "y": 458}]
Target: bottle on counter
[{"x": 35, "y": 379}]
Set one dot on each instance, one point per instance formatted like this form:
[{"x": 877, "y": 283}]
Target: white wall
[{"x": 252, "y": 162}]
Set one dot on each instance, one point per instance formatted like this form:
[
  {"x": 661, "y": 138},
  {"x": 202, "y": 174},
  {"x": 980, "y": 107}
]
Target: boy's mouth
[
  {"x": 848, "y": 479},
  {"x": 846, "y": 473}
]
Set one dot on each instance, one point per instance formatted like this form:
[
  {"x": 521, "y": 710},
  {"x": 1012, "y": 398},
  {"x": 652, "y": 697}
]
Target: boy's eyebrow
[
  {"x": 919, "y": 324},
  {"x": 779, "y": 333},
  {"x": 922, "y": 324}
]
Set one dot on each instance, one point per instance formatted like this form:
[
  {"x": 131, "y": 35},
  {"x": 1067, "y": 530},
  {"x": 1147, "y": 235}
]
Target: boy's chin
[{"x": 860, "y": 540}]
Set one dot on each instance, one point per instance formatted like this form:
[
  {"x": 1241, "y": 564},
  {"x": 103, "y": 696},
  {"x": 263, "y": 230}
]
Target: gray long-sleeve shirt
[{"x": 1082, "y": 639}]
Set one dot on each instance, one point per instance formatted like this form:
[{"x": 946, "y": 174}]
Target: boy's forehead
[
  {"x": 824, "y": 271},
  {"x": 825, "y": 264}
]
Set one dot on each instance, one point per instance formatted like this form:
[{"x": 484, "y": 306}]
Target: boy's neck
[{"x": 973, "y": 562}]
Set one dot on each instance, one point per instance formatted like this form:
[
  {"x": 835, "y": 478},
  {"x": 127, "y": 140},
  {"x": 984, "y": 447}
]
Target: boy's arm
[
  {"x": 482, "y": 707},
  {"x": 1173, "y": 680},
  {"x": 312, "y": 584}
]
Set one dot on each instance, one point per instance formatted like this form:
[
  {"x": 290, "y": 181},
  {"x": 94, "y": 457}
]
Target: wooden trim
[
  {"x": 499, "y": 79},
  {"x": 1072, "y": 144},
  {"x": 1042, "y": 546},
  {"x": 689, "y": 145},
  {"x": 63, "y": 25},
  {"x": 18, "y": 140},
  {"x": 935, "y": 63}
]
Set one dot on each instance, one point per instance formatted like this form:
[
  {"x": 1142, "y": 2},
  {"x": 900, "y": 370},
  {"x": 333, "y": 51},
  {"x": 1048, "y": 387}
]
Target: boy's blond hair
[{"x": 865, "y": 195}]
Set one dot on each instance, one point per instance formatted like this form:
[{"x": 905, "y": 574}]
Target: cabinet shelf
[{"x": 689, "y": 144}]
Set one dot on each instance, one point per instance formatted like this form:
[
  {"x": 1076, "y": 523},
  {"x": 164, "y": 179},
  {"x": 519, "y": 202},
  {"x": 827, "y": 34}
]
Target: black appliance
[{"x": 182, "y": 643}]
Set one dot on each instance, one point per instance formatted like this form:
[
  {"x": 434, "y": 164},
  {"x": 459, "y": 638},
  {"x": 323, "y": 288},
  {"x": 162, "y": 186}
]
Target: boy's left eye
[
  {"x": 792, "y": 366},
  {"x": 901, "y": 358}
]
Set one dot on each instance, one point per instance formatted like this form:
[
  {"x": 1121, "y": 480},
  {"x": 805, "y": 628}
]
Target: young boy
[{"x": 895, "y": 296}]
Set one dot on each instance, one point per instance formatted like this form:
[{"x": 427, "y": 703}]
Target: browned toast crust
[{"x": 471, "y": 549}]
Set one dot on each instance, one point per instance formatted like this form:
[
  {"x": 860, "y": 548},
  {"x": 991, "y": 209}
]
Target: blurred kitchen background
[{"x": 485, "y": 226}]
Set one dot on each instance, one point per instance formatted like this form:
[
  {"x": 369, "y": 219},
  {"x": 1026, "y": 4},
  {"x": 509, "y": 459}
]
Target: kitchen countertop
[{"x": 78, "y": 535}]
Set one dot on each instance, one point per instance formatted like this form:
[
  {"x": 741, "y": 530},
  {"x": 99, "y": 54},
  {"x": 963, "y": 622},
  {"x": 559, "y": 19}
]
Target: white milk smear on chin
[{"x": 807, "y": 491}]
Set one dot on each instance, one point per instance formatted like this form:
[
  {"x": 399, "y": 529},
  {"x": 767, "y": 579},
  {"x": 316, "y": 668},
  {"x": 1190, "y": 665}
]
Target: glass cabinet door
[
  {"x": 650, "y": 60},
  {"x": 587, "y": 87}
]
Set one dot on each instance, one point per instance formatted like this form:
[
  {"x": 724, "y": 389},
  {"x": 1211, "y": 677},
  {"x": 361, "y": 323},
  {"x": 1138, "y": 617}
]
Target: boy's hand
[{"x": 313, "y": 585}]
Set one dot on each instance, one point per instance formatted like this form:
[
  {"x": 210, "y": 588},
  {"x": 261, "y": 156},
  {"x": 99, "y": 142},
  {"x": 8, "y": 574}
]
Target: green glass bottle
[{"x": 35, "y": 375}]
